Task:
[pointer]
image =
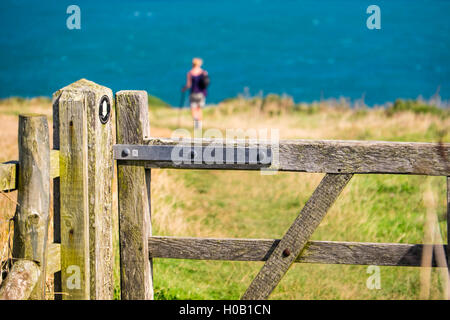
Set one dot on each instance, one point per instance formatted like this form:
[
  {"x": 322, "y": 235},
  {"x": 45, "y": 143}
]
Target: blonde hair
[{"x": 197, "y": 62}]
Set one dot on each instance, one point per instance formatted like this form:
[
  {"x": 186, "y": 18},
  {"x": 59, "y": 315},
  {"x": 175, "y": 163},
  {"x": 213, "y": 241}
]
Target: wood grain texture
[
  {"x": 10, "y": 169},
  {"x": 75, "y": 271},
  {"x": 324, "y": 252},
  {"x": 21, "y": 280},
  {"x": 134, "y": 211},
  {"x": 33, "y": 198},
  {"x": 334, "y": 156},
  {"x": 296, "y": 237},
  {"x": 100, "y": 173},
  {"x": 85, "y": 190},
  {"x": 53, "y": 258},
  {"x": 54, "y": 164},
  {"x": 8, "y": 175}
]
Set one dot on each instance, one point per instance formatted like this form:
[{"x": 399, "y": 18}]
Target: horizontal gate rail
[
  {"x": 324, "y": 156},
  {"x": 8, "y": 176},
  {"x": 326, "y": 252},
  {"x": 9, "y": 172}
]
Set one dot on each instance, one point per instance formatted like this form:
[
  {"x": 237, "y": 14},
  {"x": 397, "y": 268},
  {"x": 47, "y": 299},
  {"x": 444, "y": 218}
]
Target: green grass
[
  {"x": 415, "y": 106},
  {"x": 155, "y": 102}
]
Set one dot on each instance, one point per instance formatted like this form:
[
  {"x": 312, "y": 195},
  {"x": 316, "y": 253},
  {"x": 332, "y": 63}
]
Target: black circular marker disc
[{"x": 104, "y": 110}]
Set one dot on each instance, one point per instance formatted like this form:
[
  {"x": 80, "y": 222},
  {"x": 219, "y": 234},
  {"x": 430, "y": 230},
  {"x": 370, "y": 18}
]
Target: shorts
[{"x": 197, "y": 100}]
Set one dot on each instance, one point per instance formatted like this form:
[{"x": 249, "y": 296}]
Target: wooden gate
[
  {"x": 82, "y": 165},
  {"x": 136, "y": 153}
]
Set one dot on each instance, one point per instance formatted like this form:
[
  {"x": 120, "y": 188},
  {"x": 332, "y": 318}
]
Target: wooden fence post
[
  {"x": 33, "y": 198},
  {"x": 134, "y": 198},
  {"x": 86, "y": 167}
]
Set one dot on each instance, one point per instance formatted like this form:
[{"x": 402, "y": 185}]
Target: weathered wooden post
[
  {"x": 134, "y": 198},
  {"x": 27, "y": 277},
  {"x": 83, "y": 121}
]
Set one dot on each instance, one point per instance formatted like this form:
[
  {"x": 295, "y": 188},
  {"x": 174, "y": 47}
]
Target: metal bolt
[
  {"x": 125, "y": 152},
  {"x": 286, "y": 252}
]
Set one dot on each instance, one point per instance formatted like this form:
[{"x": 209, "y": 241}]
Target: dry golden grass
[{"x": 326, "y": 123}]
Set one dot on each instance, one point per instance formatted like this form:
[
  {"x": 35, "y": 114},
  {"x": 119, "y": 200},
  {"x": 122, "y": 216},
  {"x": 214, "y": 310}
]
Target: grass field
[{"x": 238, "y": 204}]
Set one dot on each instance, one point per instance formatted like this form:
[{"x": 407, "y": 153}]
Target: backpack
[{"x": 204, "y": 81}]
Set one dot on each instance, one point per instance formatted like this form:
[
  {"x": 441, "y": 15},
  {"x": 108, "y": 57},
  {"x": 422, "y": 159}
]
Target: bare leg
[
  {"x": 194, "y": 112},
  {"x": 199, "y": 114}
]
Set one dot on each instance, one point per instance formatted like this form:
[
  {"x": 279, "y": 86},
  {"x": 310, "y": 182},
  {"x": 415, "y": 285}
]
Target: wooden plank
[
  {"x": 33, "y": 198},
  {"x": 53, "y": 258},
  {"x": 296, "y": 237},
  {"x": 334, "y": 156},
  {"x": 74, "y": 212},
  {"x": 324, "y": 252},
  {"x": 8, "y": 175},
  {"x": 54, "y": 164},
  {"x": 85, "y": 191},
  {"x": 134, "y": 211},
  {"x": 21, "y": 280},
  {"x": 100, "y": 174},
  {"x": 9, "y": 170}
]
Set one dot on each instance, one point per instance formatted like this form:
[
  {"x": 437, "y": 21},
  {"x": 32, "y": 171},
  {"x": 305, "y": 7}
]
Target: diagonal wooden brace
[{"x": 296, "y": 237}]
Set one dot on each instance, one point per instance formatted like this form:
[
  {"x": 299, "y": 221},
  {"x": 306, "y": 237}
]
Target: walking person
[{"x": 197, "y": 80}]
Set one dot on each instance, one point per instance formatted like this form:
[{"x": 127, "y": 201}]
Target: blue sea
[{"x": 309, "y": 49}]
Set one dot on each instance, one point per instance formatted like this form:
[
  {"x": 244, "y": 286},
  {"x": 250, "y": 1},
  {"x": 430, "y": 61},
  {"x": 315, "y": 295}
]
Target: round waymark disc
[{"x": 104, "y": 110}]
